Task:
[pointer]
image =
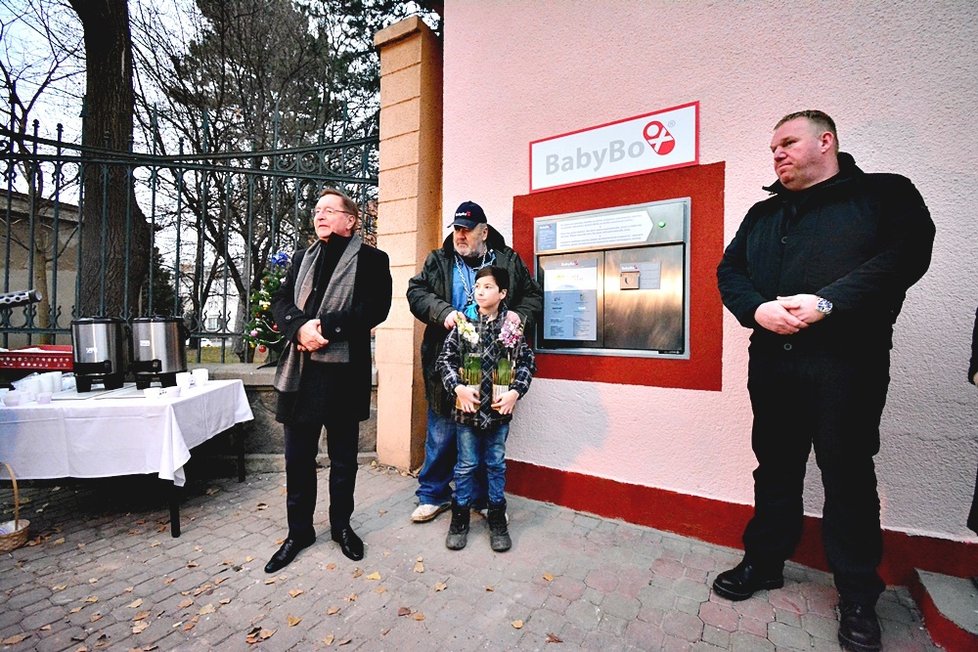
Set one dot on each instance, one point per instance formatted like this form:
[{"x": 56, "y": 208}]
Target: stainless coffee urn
[
  {"x": 159, "y": 350},
  {"x": 100, "y": 349}
]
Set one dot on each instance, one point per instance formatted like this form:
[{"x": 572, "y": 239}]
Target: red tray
[{"x": 50, "y": 357}]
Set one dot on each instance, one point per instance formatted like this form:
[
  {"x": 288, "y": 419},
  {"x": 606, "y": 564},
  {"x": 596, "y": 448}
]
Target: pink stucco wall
[{"x": 902, "y": 84}]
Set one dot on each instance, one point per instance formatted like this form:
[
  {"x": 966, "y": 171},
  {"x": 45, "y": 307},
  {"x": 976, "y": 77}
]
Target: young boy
[{"x": 483, "y": 421}]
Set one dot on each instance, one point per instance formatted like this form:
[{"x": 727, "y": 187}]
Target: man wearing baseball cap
[{"x": 445, "y": 285}]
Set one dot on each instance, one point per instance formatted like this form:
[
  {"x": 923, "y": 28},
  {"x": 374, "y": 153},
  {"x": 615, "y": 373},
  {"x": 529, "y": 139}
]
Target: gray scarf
[{"x": 338, "y": 296}]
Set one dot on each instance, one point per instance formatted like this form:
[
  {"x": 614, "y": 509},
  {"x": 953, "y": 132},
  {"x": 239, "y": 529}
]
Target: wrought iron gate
[{"x": 215, "y": 219}]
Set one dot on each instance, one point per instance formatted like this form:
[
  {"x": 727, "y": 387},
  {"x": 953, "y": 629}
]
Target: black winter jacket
[
  {"x": 429, "y": 296},
  {"x": 859, "y": 240}
]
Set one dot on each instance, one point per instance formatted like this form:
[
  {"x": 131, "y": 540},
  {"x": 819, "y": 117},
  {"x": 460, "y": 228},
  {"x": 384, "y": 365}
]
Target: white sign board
[{"x": 653, "y": 141}]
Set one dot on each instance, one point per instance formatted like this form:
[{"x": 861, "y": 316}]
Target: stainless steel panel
[{"x": 649, "y": 318}]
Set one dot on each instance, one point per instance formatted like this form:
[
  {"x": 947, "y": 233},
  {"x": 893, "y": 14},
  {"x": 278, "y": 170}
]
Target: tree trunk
[{"x": 109, "y": 284}]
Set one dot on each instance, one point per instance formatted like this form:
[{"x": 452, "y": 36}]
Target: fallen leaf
[
  {"x": 129, "y": 589},
  {"x": 206, "y": 609},
  {"x": 225, "y": 600},
  {"x": 58, "y": 541},
  {"x": 403, "y": 611},
  {"x": 419, "y": 616},
  {"x": 75, "y": 610},
  {"x": 332, "y": 611},
  {"x": 418, "y": 566},
  {"x": 91, "y": 598},
  {"x": 59, "y": 587},
  {"x": 93, "y": 580},
  {"x": 155, "y": 544},
  {"x": 139, "y": 627},
  {"x": 357, "y": 572},
  {"x": 296, "y": 593},
  {"x": 220, "y": 580},
  {"x": 169, "y": 580},
  {"x": 266, "y": 634},
  {"x": 441, "y": 586},
  {"x": 95, "y": 617},
  {"x": 212, "y": 490},
  {"x": 374, "y": 576},
  {"x": 46, "y": 628},
  {"x": 517, "y": 624},
  {"x": 380, "y": 589},
  {"x": 249, "y": 559},
  {"x": 548, "y": 577},
  {"x": 352, "y": 597},
  {"x": 489, "y": 588},
  {"x": 328, "y": 640},
  {"x": 142, "y": 615},
  {"x": 293, "y": 620},
  {"x": 330, "y": 566},
  {"x": 82, "y": 648},
  {"x": 553, "y": 638},
  {"x": 186, "y": 602},
  {"x": 193, "y": 623},
  {"x": 192, "y": 564},
  {"x": 136, "y": 604},
  {"x": 345, "y": 641},
  {"x": 270, "y": 581},
  {"x": 262, "y": 506},
  {"x": 15, "y": 639},
  {"x": 386, "y": 632}
]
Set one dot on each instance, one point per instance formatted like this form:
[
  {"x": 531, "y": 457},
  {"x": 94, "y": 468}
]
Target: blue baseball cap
[{"x": 468, "y": 215}]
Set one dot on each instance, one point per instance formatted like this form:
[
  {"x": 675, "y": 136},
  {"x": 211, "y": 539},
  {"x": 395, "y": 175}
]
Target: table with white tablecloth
[{"x": 118, "y": 433}]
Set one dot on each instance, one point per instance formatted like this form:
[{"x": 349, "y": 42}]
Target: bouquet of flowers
[
  {"x": 509, "y": 338},
  {"x": 472, "y": 357},
  {"x": 261, "y": 331}
]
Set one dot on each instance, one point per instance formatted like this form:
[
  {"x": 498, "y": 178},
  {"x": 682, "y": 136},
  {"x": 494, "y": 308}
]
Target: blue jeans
[
  {"x": 481, "y": 448},
  {"x": 440, "y": 454}
]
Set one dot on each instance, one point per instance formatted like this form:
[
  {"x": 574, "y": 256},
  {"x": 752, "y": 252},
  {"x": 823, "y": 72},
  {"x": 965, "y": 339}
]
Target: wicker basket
[{"x": 13, "y": 540}]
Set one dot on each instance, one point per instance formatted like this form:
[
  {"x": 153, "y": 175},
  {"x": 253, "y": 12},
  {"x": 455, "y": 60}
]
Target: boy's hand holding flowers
[
  {"x": 506, "y": 402},
  {"x": 468, "y": 398}
]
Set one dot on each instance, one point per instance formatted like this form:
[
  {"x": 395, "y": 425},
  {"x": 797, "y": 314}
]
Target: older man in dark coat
[{"x": 336, "y": 291}]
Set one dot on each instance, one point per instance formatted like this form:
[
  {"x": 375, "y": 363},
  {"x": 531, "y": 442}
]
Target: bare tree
[{"x": 114, "y": 250}]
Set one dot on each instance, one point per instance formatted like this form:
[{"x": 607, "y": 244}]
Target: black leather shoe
[
  {"x": 286, "y": 554},
  {"x": 859, "y": 628},
  {"x": 743, "y": 580},
  {"x": 350, "y": 543}
]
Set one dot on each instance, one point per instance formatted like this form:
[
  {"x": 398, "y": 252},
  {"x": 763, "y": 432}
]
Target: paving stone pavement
[{"x": 104, "y": 573}]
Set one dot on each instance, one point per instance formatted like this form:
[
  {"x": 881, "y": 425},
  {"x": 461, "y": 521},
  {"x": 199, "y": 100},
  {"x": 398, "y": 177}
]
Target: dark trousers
[
  {"x": 301, "y": 448},
  {"x": 830, "y": 401}
]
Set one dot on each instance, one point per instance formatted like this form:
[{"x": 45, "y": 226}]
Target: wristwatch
[{"x": 824, "y": 306}]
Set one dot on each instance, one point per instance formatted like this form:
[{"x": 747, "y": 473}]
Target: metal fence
[{"x": 215, "y": 218}]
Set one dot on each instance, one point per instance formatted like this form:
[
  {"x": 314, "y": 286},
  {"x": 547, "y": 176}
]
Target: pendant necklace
[{"x": 470, "y": 310}]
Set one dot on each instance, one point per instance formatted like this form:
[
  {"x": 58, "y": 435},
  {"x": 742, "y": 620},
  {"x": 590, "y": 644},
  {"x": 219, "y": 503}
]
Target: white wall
[{"x": 901, "y": 81}]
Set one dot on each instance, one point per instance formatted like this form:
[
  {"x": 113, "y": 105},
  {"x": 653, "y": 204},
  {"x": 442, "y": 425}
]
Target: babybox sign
[{"x": 654, "y": 141}]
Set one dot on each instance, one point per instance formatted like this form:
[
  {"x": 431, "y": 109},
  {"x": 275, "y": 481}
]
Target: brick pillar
[{"x": 409, "y": 224}]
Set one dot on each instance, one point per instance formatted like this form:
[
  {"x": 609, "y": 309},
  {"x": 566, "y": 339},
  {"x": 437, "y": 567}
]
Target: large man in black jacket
[
  {"x": 444, "y": 285},
  {"x": 335, "y": 292},
  {"x": 819, "y": 271}
]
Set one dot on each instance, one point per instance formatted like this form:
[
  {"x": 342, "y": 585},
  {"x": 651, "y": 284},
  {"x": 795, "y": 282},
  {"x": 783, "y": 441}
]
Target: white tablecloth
[{"x": 101, "y": 437}]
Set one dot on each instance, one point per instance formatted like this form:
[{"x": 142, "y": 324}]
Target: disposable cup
[{"x": 201, "y": 376}]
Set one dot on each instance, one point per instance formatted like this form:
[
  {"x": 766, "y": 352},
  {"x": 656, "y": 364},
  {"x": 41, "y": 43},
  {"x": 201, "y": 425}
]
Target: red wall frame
[{"x": 703, "y": 184}]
